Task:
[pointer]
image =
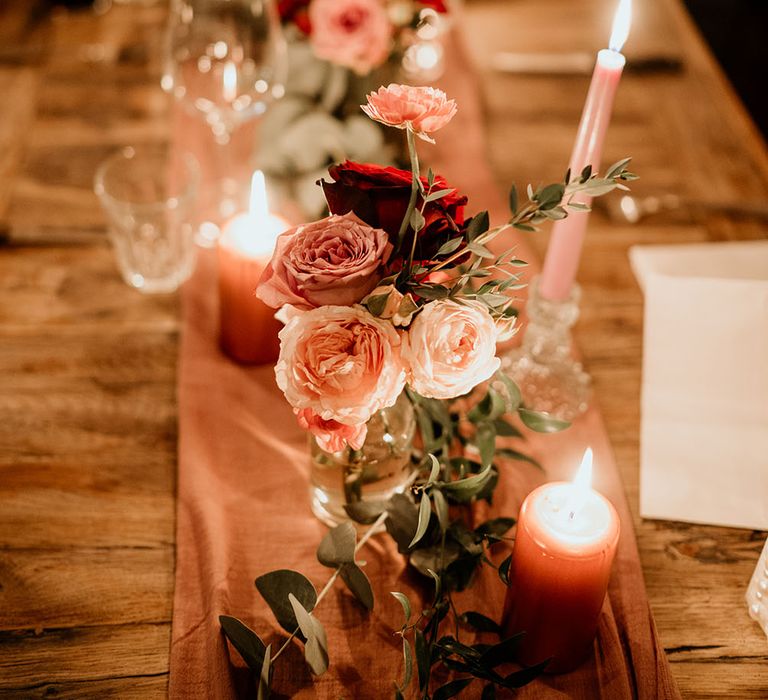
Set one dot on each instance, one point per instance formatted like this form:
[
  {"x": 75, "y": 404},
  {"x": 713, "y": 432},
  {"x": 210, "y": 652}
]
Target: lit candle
[
  {"x": 565, "y": 543},
  {"x": 248, "y": 326},
  {"x": 229, "y": 81},
  {"x": 562, "y": 260}
]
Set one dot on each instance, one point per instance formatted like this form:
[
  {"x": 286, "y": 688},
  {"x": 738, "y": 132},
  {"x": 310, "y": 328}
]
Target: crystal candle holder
[
  {"x": 757, "y": 593},
  {"x": 543, "y": 367}
]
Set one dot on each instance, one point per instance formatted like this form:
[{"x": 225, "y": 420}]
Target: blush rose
[
  {"x": 450, "y": 349},
  {"x": 336, "y": 260},
  {"x": 331, "y": 435},
  {"x": 340, "y": 362},
  {"x": 356, "y": 34}
]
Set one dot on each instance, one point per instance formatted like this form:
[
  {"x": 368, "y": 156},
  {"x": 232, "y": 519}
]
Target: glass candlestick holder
[
  {"x": 543, "y": 367},
  {"x": 757, "y": 593}
]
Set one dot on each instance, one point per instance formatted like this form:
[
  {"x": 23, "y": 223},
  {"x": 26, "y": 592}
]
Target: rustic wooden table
[{"x": 87, "y": 366}]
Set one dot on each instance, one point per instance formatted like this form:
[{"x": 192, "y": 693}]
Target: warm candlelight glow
[
  {"x": 621, "y": 23},
  {"x": 229, "y": 79},
  {"x": 255, "y": 232},
  {"x": 258, "y": 208},
  {"x": 582, "y": 486}
]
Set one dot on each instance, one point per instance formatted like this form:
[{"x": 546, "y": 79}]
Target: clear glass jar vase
[{"x": 381, "y": 468}]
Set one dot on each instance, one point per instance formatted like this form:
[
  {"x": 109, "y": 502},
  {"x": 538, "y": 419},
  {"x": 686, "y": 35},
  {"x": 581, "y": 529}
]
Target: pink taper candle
[{"x": 562, "y": 260}]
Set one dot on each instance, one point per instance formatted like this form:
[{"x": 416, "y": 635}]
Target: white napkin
[{"x": 704, "y": 433}]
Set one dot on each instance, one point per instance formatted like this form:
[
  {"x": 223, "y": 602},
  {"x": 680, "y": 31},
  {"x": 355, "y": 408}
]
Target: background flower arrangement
[
  {"x": 338, "y": 50},
  {"x": 397, "y": 291}
]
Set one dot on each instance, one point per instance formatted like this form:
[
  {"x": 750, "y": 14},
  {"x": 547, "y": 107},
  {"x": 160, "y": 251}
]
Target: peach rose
[
  {"x": 331, "y": 435},
  {"x": 340, "y": 362},
  {"x": 352, "y": 33},
  {"x": 336, "y": 260},
  {"x": 423, "y": 110},
  {"x": 450, "y": 349}
]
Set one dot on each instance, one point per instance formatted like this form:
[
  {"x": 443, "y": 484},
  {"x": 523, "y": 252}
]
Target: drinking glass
[
  {"x": 225, "y": 62},
  {"x": 148, "y": 197}
]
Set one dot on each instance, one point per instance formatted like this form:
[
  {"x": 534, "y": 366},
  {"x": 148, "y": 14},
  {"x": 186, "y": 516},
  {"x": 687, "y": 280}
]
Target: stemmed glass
[{"x": 225, "y": 61}]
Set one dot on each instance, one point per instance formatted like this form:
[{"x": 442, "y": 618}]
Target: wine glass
[{"x": 225, "y": 61}]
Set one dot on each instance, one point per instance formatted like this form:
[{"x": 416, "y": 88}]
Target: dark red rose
[
  {"x": 296, "y": 11},
  {"x": 379, "y": 196},
  {"x": 436, "y": 5}
]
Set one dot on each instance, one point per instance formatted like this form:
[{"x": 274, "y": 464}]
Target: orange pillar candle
[
  {"x": 248, "y": 328},
  {"x": 566, "y": 540}
]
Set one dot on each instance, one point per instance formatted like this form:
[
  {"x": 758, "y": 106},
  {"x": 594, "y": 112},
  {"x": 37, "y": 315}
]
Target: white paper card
[{"x": 704, "y": 431}]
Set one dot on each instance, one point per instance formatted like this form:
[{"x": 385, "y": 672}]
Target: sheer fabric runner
[{"x": 243, "y": 509}]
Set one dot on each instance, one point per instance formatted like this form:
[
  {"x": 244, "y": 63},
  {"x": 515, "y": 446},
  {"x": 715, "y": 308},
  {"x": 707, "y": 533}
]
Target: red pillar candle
[
  {"x": 566, "y": 540},
  {"x": 248, "y": 328}
]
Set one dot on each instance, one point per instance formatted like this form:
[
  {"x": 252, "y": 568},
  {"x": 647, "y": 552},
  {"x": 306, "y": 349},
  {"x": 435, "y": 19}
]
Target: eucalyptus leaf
[
  {"x": 423, "y": 659},
  {"x": 441, "y": 508},
  {"x": 512, "y": 391},
  {"x": 365, "y": 512},
  {"x": 316, "y": 646},
  {"x": 438, "y": 194},
  {"x": 513, "y": 199},
  {"x": 586, "y": 173},
  {"x": 265, "y": 677},
  {"x": 376, "y": 304},
  {"x": 541, "y": 422},
  {"x": 496, "y": 527},
  {"x": 407, "y": 665},
  {"x": 465, "y": 489},
  {"x": 435, "y": 470},
  {"x": 485, "y": 438},
  {"x": 502, "y": 652},
  {"x": 505, "y": 429},
  {"x": 417, "y": 220},
  {"x": 276, "y": 586},
  {"x": 403, "y": 600},
  {"x": 479, "y": 224},
  {"x": 359, "y": 585},
  {"x": 504, "y": 570},
  {"x": 449, "y": 247},
  {"x": 338, "y": 546},
  {"x": 451, "y": 689},
  {"x": 480, "y": 622},
  {"x": 480, "y": 250},
  {"x": 245, "y": 640},
  {"x": 616, "y": 168},
  {"x": 520, "y": 678},
  {"x": 425, "y": 512},
  {"x": 402, "y": 521}
]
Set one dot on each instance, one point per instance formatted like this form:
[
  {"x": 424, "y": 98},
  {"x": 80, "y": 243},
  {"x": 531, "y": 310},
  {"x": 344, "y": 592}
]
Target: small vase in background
[{"x": 375, "y": 472}]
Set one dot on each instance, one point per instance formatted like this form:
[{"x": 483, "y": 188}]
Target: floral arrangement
[
  {"x": 339, "y": 50},
  {"x": 398, "y": 290}
]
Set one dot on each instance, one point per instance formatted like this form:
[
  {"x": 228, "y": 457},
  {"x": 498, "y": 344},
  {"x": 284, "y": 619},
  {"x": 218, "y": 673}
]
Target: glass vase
[
  {"x": 381, "y": 468},
  {"x": 550, "y": 379}
]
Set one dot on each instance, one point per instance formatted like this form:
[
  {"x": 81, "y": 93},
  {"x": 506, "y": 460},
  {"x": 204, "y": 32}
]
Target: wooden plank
[
  {"x": 32, "y": 585},
  {"x": 83, "y": 655}
]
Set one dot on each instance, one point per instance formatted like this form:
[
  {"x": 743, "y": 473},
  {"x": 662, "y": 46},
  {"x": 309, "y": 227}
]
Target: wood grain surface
[{"x": 87, "y": 365}]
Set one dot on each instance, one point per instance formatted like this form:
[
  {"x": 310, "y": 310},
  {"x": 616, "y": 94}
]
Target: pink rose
[
  {"x": 450, "y": 349},
  {"x": 423, "y": 110},
  {"x": 331, "y": 435},
  {"x": 340, "y": 362},
  {"x": 352, "y": 33},
  {"x": 336, "y": 260}
]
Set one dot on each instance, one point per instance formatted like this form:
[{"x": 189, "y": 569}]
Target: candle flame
[
  {"x": 229, "y": 79},
  {"x": 258, "y": 208},
  {"x": 621, "y": 23},
  {"x": 582, "y": 485}
]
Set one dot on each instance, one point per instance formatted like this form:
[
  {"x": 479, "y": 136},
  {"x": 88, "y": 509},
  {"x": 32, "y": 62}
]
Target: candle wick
[{"x": 572, "y": 515}]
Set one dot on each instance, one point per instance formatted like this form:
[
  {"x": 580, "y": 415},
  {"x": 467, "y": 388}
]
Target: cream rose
[
  {"x": 336, "y": 260},
  {"x": 450, "y": 349},
  {"x": 341, "y": 362},
  {"x": 352, "y": 33}
]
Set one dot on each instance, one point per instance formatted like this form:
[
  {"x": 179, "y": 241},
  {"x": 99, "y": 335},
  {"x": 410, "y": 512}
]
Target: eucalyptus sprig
[{"x": 444, "y": 549}]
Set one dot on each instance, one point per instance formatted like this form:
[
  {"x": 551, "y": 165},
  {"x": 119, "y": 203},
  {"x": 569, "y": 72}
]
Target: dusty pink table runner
[{"x": 243, "y": 510}]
